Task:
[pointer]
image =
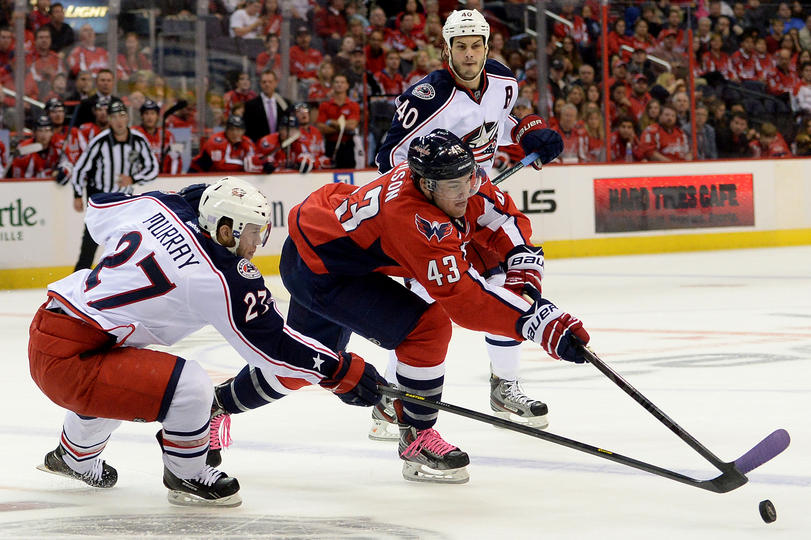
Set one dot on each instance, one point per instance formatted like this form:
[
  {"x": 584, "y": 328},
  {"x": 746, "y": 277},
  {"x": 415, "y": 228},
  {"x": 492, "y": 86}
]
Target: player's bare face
[
  {"x": 249, "y": 240},
  {"x": 451, "y": 196},
  {"x": 468, "y": 54},
  {"x": 149, "y": 119}
]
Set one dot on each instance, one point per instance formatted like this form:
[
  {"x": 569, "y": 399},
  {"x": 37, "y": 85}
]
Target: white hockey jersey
[
  {"x": 483, "y": 121},
  {"x": 160, "y": 279}
]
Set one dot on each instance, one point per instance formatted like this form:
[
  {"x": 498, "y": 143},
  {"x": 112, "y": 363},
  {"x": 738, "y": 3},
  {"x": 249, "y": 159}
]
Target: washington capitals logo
[{"x": 429, "y": 229}]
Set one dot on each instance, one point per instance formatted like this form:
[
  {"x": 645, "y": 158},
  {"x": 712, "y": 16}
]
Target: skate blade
[
  {"x": 416, "y": 472},
  {"x": 43, "y": 468},
  {"x": 181, "y": 498},
  {"x": 537, "y": 422},
  {"x": 384, "y": 431}
]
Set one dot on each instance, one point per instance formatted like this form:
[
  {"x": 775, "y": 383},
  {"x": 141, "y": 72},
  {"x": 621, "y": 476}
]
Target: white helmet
[
  {"x": 465, "y": 22},
  {"x": 237, "y": 199}
]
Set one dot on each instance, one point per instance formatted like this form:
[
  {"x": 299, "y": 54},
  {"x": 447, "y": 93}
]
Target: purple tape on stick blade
[{"x": 763, "y": 451}]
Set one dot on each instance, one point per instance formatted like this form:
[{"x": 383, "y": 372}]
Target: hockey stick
[
  {"x": 772, "y": 445},
  {"x": 20, "y": 152},
  {"x": 341, "y": 125},
  {"x": 30, "y": 101},
  {"x": 733, "y": 473},
  {"x": 181, "y": 104},
  {"x": 515, "y": 168},
  {"x": 296, "y": 135}
]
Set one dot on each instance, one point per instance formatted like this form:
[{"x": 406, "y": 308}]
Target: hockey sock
[
  {"x": 504, "y": 356},
  {"x": 249, "y": 390},
  {"x": 423, "y": 381},
  {"x": 391, "y": 368}
]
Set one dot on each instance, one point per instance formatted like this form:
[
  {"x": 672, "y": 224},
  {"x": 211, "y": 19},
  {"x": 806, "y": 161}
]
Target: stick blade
[{"x": 763, "y": 451}]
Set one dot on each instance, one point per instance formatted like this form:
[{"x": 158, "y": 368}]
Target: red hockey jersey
[{"x": 389, "y": 226}]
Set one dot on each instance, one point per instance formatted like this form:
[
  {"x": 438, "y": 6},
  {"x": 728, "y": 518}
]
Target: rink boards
[{"x": 584, "y": 210}]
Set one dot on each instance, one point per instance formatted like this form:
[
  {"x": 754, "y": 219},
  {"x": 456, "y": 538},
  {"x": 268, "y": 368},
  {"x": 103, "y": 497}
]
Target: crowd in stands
[{"x": 750, "y": 94}]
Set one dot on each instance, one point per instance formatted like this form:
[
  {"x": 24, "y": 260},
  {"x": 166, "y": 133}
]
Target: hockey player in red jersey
[
  {"x": 415, "y": 221},
  {"x": 472, "y": 98},
  {"x": 297, "y": 145},
  {"x": 37, "y": 164},
  {"x": 150, "y": 114},
  {"x": 88, "y": 130},
  {"x": 226, "y": 151},
  {"x": 173, "y": 263}
]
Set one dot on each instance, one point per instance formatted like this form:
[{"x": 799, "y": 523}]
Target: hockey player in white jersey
[
  {"x": 165, "y": 273},
  {"x": 473, "y": 99}
]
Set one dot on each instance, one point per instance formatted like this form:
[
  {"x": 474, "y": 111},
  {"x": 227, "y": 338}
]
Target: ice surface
[{"x": 721, "y": 341}]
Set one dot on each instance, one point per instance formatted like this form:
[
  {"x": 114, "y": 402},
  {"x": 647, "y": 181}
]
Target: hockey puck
[{"x": 767, "y": 511}]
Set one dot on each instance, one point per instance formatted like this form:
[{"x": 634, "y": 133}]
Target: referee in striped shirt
[{"x": 113, "y": 160}]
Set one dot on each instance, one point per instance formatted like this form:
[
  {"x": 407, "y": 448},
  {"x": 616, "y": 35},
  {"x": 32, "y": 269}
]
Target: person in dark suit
[
  {"x": 264, "y": 112},
  {"x": 104, "y": 88}
]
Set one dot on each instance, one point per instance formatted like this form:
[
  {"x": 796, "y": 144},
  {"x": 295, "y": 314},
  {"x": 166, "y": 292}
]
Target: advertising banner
[{"x": 650, "y": 203}]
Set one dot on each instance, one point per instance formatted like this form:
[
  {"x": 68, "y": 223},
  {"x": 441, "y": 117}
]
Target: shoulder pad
[
  {"x": 497, "y": 68},
  {"x": 437, "y": 85}
]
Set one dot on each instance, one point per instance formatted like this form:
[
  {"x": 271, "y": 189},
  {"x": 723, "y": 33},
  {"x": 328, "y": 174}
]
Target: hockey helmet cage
[
  {"x": 465, "y": 22},
  {"x": 238, "y": 200},
  {"x": 440, "y": 155}
]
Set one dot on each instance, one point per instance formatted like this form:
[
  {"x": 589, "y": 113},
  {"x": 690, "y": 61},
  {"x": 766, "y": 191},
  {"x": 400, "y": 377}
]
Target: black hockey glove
[{"x": 355, "y": 381}]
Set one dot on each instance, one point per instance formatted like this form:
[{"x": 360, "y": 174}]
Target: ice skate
[
  {"x": 428, "y": 458},
  {"x": 219, "y": 430},
  {"x": 384, "y": 421},
  {"x": 209, "y": 487},
  {"x": 508, "y": 401},
  {"x": 100, "y": 476}
]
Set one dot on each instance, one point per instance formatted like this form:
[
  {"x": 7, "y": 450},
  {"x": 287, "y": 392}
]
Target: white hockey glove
[{"x": 524, "y": 270}]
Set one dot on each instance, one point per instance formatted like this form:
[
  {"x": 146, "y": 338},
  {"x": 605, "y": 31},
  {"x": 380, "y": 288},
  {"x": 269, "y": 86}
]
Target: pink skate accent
[
  {"x": 218, "y": 424},
  {"x": 431, "y": 440}
]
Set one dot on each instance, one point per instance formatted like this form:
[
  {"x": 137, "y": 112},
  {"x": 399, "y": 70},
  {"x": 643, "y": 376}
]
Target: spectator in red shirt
[
  {"x": 414, "y": 9},
  {"x": 40, "y": 15},
  {"x": 330, "y": 24},
  {"x": 769, "y": 144},
  {"x": 241, "y": 93},
  {"x": 406, "y": 40},
  {"x": 132, "y": 59},
  {"x": 665, "y": 140},
  {"x": 617, "y": 38},
  {"x": 320, "y": 90},
  {"x": 620, "y": 104},
  {"x": 304, "y": 60},
  {"x": 593, "y": 140},
  {"x": 577, "y": 31},
  {"x": 328, "y": 123},
  {"x": 272, "y": 17},
  {"x": 390, "y": 79},
  {"x": 43, "y": 64},
  {"x": 86, "y": 56},
  {"x": 639, "y": 96},
  {"x": 624, "y": 142},
  {"x": 784, "y": 79},
  {"x": 641, "y": 39},
  {"x": 743, "y": 60},
  {"x": 6, "y": 49},
  {"x": 270, "y": 57},
  {"x": 572, "y": 135},
  {"x": 716, "y": 59},
  {"x": 375, "y": 53},
  {"x": 377, "y": 22}
]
